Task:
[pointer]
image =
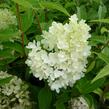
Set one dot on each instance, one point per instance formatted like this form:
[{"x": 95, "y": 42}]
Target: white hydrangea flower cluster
[
  {"x": 61, "y": 56},
  {"x": 14, "y": 94},
  {"x": 79, "y": 103},
  {"x": 7, "y": 19}
]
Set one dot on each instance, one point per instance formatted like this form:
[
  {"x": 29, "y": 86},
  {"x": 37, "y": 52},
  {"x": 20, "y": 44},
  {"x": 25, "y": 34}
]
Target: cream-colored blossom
[
  {"x": 7, "y": 19},
  {"x": 14, "y": 94},
  {"x": 61, "y": 56}
]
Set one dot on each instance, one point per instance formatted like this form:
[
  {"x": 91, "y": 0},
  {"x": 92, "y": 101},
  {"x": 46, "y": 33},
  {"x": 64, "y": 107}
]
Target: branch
[
  {"x": 38, "y": 21},
  {"x": 37, "y": 18},
  {"x": 20, "y": 24}
]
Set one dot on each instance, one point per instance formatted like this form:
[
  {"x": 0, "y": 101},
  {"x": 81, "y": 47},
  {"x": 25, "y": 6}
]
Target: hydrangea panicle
[
  {"x": 14, "y": 94},
  {"x": 61, "y": 56},
  {"x": 6, "y": 19}
]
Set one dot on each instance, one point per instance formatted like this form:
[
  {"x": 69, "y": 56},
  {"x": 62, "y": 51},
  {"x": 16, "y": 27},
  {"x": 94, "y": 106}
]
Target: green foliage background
[{"x": 37, "y": 15}]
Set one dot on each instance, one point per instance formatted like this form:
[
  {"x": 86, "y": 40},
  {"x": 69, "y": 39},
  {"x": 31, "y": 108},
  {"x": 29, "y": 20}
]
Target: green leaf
[
  {"x": 53, "y": 5},
  {"x": 5, "y": 80},
  {"x": 25, "y": 40},
  {"x": 23, "y": 3},
  {"x": 81, "y": 12},
  {"x": 97, "y": 1},
  {"x": 60, "y": 106},
  {"x": 98, "y": 92},
  {"x": 103, "y": 57},
  {"x": 7, "y": 60},
  {"x": 89, "y": 99},
  {"x": 14, "y": 46},
  {"x": 44, "y": 98},
  {"x": 102, "y": 11},
  {"x": 34, "y": 3},
  {"x": 62, "y": 98},
  {"x": 6, "y": 53},
  {"x": 100, "y": 21},
  {"x": 106, "y": 51},
  {"x": 98, "y": 39},
  {"x": 27, "y": 20},
  {"x": 6, "y": 56},
  {"x": 103, "y": 29},
  {"x": 91, "y": 66},
  {"x": 8, "y": 35},
  {"x": 85, "y": 86},
  {"x": 103, "y": 72}
]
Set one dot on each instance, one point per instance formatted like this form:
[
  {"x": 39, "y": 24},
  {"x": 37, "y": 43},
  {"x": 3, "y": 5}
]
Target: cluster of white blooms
[
  {"x": 78, "y": 103},
  {"x": 7, "y": 19},
  {"x": 14, "y": 94},
  {"x": 61, "y": 56}
]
